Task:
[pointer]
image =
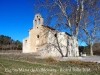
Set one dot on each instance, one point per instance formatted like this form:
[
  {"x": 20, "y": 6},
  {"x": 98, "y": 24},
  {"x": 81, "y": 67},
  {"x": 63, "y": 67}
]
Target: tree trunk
[
  {"x": 59, "y": 47},
  {"x": 73, "y": 46},
  {"x": 67, "y": 50},
  {"x": 91, "y": 50}
]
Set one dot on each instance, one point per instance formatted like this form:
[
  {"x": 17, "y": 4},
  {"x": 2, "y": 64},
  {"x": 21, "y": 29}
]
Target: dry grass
[
  {"x": 51, "y": 60},
  {"x": 10, "y": 51},
  {"x": 28, "y": 61}
]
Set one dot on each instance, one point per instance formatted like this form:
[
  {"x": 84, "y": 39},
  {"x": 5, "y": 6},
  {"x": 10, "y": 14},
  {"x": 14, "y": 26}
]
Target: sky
[{"x": 16, "y": 17}]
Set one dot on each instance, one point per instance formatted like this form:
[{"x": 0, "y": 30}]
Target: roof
[
  {"x": 55, "y": 29},
  {"x": 68, "y": 34},
  {"x": 30, "y": 29},
  {"x": 49, "y": 27}
]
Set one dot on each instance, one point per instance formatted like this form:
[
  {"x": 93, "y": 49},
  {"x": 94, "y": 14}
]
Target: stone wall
[
  {"x": 37, "y": 36},
  {"x": 49, "y": 42}
]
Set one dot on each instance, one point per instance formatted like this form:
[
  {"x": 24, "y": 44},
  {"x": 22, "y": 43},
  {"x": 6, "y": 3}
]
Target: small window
[
  {"x": 37, "y": 36},
  {"x": 37, "y": 16},
  {"x": 35, "y": 22},
  {"x": 39, "y": 20},
  {"x": 37, "y": 27},
  {"x": 55, "y": 35}
]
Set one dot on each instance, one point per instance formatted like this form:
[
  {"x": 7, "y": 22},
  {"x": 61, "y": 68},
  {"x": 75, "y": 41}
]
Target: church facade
[{"x": 47, "y": 41}]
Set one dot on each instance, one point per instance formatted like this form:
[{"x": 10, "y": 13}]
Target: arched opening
[
  {"x": 35, "y": 22},
  {"x": 37, "y": 36},
  {"x": 39, "y": 20},
  {"x": 55, "y": 35}
]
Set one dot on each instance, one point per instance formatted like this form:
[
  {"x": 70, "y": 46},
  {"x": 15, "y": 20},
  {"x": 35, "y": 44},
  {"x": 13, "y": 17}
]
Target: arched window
[
  {"x": 37, "y": 36},
  {"x": 39, "y": 21},
  {"x": 55, "y": 35},
  {"x": 35, "y": 22}
]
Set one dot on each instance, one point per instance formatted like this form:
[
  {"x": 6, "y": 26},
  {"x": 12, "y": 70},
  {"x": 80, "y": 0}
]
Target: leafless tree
[
  {"x": 53, "y": 43},
  {"x": 68, "y": 14},
  {"x": 91, "y": 24}
]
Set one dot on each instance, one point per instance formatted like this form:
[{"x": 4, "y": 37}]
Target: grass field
[{"x": 13, "y": 64}]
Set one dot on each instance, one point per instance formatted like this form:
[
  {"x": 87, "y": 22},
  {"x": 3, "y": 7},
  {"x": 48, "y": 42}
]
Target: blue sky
[{"x": 16, "y": 18}]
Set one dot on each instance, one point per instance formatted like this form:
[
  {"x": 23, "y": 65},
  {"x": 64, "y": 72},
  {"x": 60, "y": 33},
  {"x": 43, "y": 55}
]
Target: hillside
[
  {"x": 7, "y": 43},
  {"x": 86, "y": 49}
]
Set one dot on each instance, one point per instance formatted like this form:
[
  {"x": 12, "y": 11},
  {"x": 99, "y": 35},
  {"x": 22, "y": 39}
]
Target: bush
[
  {"x": 96, "y": 52},
  {"x": 50, "y": 60}
]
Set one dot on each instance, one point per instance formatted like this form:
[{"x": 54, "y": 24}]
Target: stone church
[{"x": 47, "y": 41}]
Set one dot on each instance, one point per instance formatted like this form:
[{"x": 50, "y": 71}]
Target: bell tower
[{"x": 38, "y": 20}]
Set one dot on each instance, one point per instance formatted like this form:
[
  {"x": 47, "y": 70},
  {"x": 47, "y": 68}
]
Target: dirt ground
[
  {"x": 10, "y": 51},
  {"x": 19, "y": 52}
]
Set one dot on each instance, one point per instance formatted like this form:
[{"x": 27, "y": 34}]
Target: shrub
[{"x": 50, "y": 60}]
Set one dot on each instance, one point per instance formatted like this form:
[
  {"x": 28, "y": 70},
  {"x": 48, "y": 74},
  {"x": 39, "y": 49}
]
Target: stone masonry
[{"x": 49, "y": 42}]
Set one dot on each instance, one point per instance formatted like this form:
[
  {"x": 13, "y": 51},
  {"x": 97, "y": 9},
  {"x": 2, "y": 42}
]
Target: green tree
[{"x": 7, "y": 43}]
